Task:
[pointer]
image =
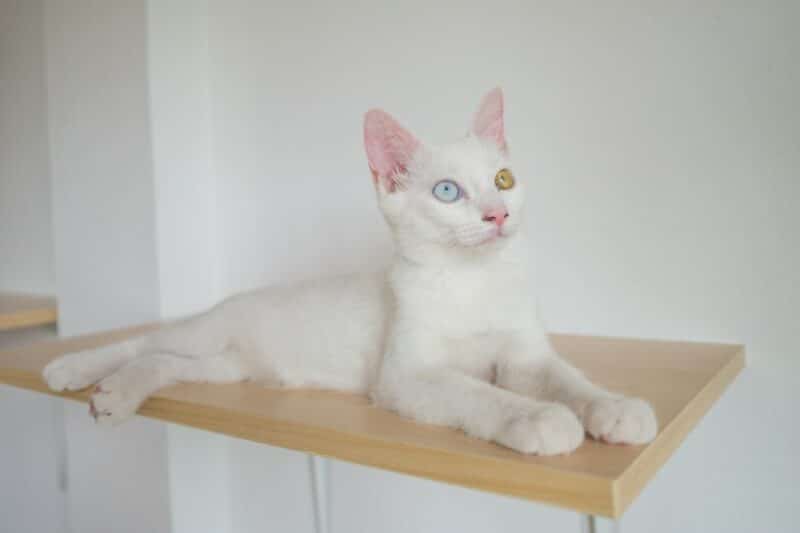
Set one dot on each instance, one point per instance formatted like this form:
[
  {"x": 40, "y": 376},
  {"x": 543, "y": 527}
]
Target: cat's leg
[
  {"x": 200, "y": 336},
  {"x": 118, "y": 396},
  {"x": 535, "y": 369},
  {"x": 449, "y": 398},
  {"x": 78, "y": 370},
  {"x": 203, "y": 335}
]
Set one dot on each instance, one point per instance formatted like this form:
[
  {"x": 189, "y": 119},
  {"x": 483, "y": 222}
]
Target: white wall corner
[
  {"x": 186, "y": 233},
  {"x": 184, "y": 185}
]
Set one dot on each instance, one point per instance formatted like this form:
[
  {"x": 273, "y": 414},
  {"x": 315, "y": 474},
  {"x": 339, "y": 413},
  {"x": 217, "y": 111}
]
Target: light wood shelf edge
[
  {"x": 541, "y": 484},
  {"x": 630, "y": 484}
]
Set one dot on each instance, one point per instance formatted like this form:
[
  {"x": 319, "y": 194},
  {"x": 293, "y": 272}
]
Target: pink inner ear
[
  {"x": 389, "y": 146},
  {"x": 488, "y": 121}
]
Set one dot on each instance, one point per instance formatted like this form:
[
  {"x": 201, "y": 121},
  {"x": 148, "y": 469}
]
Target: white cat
[{"x": 449, "y": 335}]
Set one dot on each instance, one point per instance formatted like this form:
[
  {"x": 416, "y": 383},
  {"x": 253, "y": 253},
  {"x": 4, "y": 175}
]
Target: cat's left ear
[{"x": 488, "y": 122}]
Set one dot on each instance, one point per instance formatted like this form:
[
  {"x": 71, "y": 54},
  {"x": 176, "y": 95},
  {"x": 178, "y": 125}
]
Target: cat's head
[{"x": 458, "y": 198}]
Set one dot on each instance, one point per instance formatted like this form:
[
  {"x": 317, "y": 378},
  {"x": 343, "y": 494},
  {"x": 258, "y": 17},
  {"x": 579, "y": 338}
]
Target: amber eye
[{"x": 504, "y": 180}]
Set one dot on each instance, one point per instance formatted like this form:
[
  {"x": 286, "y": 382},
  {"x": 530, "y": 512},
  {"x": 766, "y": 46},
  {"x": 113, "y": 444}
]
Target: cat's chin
[{"x": 491, "y": 241}]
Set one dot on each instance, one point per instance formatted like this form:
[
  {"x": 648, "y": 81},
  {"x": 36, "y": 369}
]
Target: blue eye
[{"x": 447, "y": 191}]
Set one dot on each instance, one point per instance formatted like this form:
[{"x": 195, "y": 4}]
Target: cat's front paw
[
  {"x": 621, "y": 420},
  {"x": 112, "y": 402},
  {"x": 551, "y": 431}
]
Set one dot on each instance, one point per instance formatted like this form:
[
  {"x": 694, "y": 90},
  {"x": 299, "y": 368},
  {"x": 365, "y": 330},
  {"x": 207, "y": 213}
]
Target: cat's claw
[
  {"x": 552, "y": 431},
  {"x": 110, "y": 404},
  {"x": 621, "y": 420},
  {"x": 94, "y": 412}
]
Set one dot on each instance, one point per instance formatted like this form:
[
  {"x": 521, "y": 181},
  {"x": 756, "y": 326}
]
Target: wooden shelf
[
  {"x": 681, "y": 379},
  {"x": 24, "y": 310}
]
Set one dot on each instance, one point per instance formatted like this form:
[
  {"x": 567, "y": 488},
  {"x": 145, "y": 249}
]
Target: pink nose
[{"x": 498, "y": 216}]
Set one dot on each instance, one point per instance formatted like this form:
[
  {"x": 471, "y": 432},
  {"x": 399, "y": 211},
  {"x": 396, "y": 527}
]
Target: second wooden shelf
[{"x": 19, "y": 310}]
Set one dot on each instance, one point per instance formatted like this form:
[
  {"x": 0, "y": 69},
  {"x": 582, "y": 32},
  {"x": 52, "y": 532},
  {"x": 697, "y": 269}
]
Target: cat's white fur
[{"x": 449, "y": 335}]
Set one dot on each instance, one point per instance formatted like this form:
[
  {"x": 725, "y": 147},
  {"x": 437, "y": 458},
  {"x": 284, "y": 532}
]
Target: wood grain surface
[{"x": 24, "y": 310}]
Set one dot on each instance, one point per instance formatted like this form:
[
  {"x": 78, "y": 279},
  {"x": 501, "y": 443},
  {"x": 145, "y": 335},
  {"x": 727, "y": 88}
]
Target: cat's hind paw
[
  {"x": 111, "y": 404},
  {"x": 553, "y": 430},
  {"x": 621, "y": 420}
]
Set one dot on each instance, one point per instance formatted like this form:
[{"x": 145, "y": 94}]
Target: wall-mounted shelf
[
  {"x": 681, "y": 379},
  {"x": 24, "y": 310}
]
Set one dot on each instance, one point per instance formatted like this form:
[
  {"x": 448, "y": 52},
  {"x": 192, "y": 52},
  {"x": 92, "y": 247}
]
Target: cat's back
[
  {"x": 326, "y": 332},
  {"x": 327, "y": 297}
]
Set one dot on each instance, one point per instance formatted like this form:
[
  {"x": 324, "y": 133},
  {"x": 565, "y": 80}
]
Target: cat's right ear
[
  {"x": 488, "y": 122},
  {"x": 390, "y": 148}
]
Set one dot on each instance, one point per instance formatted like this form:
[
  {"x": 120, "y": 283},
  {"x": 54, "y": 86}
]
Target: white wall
[
  {"x": 26, "y": 262},
  {"x": 31, "y": 496},
  {"x": 105, "y": 244},
  {"x": 660, "y": 142},
  {"x": 185, "y": 187},
  {"x": 102, "y": 171},
  {"x": 31, "y": 499}
]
